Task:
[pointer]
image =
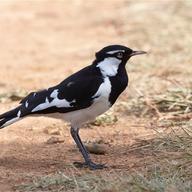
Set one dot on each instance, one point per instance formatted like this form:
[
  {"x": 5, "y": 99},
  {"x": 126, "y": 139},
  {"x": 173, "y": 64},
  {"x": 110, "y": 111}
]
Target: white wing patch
[
  {"x": 54, "y": 93},
  {"x": 109, "y": 66},
  {"x": 42, "y": 106},
  {"x": 26, "y": 104},
  {"x": 19, "y": 114},
  {"x": 56, "y": 102}
]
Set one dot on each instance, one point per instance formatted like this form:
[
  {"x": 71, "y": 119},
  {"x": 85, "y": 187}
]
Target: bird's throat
[{"x": 109, "y": 66}]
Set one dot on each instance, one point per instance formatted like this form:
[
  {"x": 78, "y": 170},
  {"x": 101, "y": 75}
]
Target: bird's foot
[{"x": 90, "y": 165}]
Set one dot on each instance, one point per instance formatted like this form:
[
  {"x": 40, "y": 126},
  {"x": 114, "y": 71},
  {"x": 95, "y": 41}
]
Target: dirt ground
[{"x": 42, "y": 42}]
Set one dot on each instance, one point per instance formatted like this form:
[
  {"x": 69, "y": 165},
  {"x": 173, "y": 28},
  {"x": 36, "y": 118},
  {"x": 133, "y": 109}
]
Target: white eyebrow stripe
[{"x": 116, "y": 51}]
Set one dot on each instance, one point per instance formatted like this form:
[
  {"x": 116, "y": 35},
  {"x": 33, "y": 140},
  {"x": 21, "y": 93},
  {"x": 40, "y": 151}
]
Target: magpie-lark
[{"x": 82, "y": 96}]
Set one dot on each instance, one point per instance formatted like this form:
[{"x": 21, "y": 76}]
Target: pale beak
[{"x": 137, "y": 53}]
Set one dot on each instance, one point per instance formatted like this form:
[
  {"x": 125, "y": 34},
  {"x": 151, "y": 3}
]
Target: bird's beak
[{"x": 137, "y": 53}]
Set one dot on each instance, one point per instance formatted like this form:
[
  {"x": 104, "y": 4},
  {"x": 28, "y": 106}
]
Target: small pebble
[
  {"x": 95, "y": 148},
  {"x": 54, "y": 140}
]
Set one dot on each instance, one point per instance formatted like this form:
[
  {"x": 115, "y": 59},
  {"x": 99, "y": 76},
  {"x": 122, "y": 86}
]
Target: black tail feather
[
  {"x": 10, "y": 113},
  {"x": 10, "y": 117}
]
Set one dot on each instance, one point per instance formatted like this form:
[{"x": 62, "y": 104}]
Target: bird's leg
[{"x": 84, "y": 152}]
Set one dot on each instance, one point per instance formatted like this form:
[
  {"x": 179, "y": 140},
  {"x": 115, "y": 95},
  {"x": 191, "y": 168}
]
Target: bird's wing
[{"x": 74, "y": 93}]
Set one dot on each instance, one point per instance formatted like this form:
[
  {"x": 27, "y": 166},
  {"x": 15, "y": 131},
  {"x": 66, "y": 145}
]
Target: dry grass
[
  {"x": 108, "y": 118},
  {"x": 153, "y": 179},
  {"x": 173, "y": 102}
]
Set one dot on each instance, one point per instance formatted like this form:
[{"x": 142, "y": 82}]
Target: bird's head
[{"x": 110, "y": 58}]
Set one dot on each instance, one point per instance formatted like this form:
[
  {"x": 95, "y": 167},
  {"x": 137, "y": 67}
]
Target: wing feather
[{"x": 74, "y": 93}]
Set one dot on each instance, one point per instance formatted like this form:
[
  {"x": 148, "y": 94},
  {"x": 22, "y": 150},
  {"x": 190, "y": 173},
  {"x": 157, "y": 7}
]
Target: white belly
[{"x": 77, "y": 118}]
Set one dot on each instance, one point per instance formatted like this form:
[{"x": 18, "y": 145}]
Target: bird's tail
[{"x": 10, "y": 117}]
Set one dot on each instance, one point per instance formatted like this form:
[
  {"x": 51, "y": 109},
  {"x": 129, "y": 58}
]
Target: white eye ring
[{"x": 120, "y": 55}]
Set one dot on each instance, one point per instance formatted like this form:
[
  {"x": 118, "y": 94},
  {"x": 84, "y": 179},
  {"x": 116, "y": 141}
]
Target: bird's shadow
[{"x": 44, "y": 157}]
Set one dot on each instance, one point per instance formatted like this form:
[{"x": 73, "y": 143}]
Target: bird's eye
[{"x": 120, "y": 55}]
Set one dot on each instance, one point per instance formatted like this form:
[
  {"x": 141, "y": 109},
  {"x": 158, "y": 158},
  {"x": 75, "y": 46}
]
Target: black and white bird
[{"x": 82, "y": 96}]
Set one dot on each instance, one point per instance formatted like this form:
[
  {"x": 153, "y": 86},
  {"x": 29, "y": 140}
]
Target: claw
[{"x": 90, "y": 165}]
